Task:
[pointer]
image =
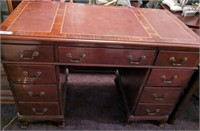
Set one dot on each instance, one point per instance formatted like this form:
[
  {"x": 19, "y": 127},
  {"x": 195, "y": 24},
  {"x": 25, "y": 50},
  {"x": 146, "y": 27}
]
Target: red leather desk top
[{"x": 95, "y": 22}]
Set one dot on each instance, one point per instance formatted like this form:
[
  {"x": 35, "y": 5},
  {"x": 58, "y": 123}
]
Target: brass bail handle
[
  {"x": 44, "y": 110},
  {"x": 165, "y": 80},
  {"x": 33, "y": 56},
  {"x": 175, "y": 62},
  {"x": 160, "y": 98},
  {"x": 149, "y": 112},
  {"x": 76, "y": 60},
  {"x": 142, "y": 58},
  {"x": 30, "y": 93},
  {"x": 34, "y": 77}
]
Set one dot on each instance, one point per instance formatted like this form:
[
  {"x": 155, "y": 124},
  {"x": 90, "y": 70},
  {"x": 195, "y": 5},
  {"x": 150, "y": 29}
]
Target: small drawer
[
  {"x": 111, "y": 57},
  {"x": 31, "y": 73},
  {"x": 160, "y": 95},
  {"x": 178, "y": 58},
  {"x": 169, "y": 77},
  {"x": 36, "y": 93},
  {"x": 153, "y": 109},
  {"x": 39, "y": 108},
  {"x": 36, "y": 53}
]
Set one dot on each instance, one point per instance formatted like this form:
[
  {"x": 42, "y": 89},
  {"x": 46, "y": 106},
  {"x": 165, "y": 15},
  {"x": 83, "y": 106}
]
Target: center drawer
[
  {"x": 105, "y": 56},
  {"x": 31, "y": 73},
  {"x": 36, "y": 93}
]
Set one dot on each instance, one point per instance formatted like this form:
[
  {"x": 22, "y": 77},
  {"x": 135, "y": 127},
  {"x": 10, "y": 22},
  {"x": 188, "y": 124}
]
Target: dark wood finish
[
  {"x": 120, "y": 89},
  {"x": 169, "y": 77},
  {"x": 31, "y": 73},
  {"x": 160, "y": 95},
  {"x": 37, "y": 93},
  {"x": 28, "y": 53},
  {"x": 104, "y": 56},
  {"x": 105, "y": 41},
  {"x": 183, "y": 59},
  {"x": 132, "y": 81},
  {"x": 153, "y": 109},
  {"x": 39, "y": 109}
]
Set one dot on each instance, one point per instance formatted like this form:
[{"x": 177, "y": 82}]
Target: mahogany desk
[{"x": 153, "y": 54}]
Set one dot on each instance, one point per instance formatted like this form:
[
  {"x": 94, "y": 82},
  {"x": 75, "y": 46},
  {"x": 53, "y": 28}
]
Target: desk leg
[{"x": 122, "y": 93}]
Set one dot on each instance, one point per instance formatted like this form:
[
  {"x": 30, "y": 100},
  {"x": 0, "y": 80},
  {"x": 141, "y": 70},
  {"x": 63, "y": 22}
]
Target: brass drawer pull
[
  {"x": 152, "y": 113},
  {"x": 142, "y": 58},
  {"x": 174, "y": 62},
  {"x": 39, "y": 113},
  {"x": 30, "y": 93},
  {"x": 165, "y": 80},
  {"x": 34, "y": 54},
  {"x": 29, "y": 77},
  {"x": 76, "y": 60},
  {"x": 160, "y": 98}
]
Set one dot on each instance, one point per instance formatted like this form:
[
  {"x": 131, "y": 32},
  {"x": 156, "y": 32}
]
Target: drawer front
[
  {"x": 153, "y": 110},
  {"x": 160, "y": 95},
  {"x": 105, "y": 56},
  {"x": 38, "y": 109},
  {"x": 31, "y": 74},
  {"x": 169, "y": 77},
  {"x": 28, "y": 53},
  {"x": 36, "y": 93},
  {"x": 172, "y": 58}
]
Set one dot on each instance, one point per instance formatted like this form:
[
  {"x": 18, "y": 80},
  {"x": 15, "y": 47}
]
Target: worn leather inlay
[
  {"x": 66, "y": 21},
  {"x": 164, "y": 25},
  {"x": 145, "y": 24},
  {"x": 36, "y": 17},
  {"x": 104, "y": 21}
]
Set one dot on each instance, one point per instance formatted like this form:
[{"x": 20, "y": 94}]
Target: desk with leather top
[{"x": 153, "y": 53}]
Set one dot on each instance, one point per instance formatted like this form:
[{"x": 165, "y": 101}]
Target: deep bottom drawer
[
  {"x": 153, "y": 109},
  {"x": 39, "y": 109}
]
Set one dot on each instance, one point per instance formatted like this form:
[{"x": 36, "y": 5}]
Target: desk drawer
[
  {"x": 153, "y": 109},
  {"x": 105, "y": 56},
  {"x": 38, "y": 109},
  {"x": 31, "y": 73},
  {"x": 36, "y": 93},
  {"x": 178, "y": 58},
  {"x": 160, "y": 95},
  {"x": 36, "y": 53},
  {"x": 169, "y": 77}
]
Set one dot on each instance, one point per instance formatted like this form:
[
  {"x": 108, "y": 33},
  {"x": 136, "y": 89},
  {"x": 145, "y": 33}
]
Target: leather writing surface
[
  {"x": 36, "y": 17},
  {"x": 164, "y": 25},
  {"x": 93, "y": 20},
  {"x": 64, "y": 21}
]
